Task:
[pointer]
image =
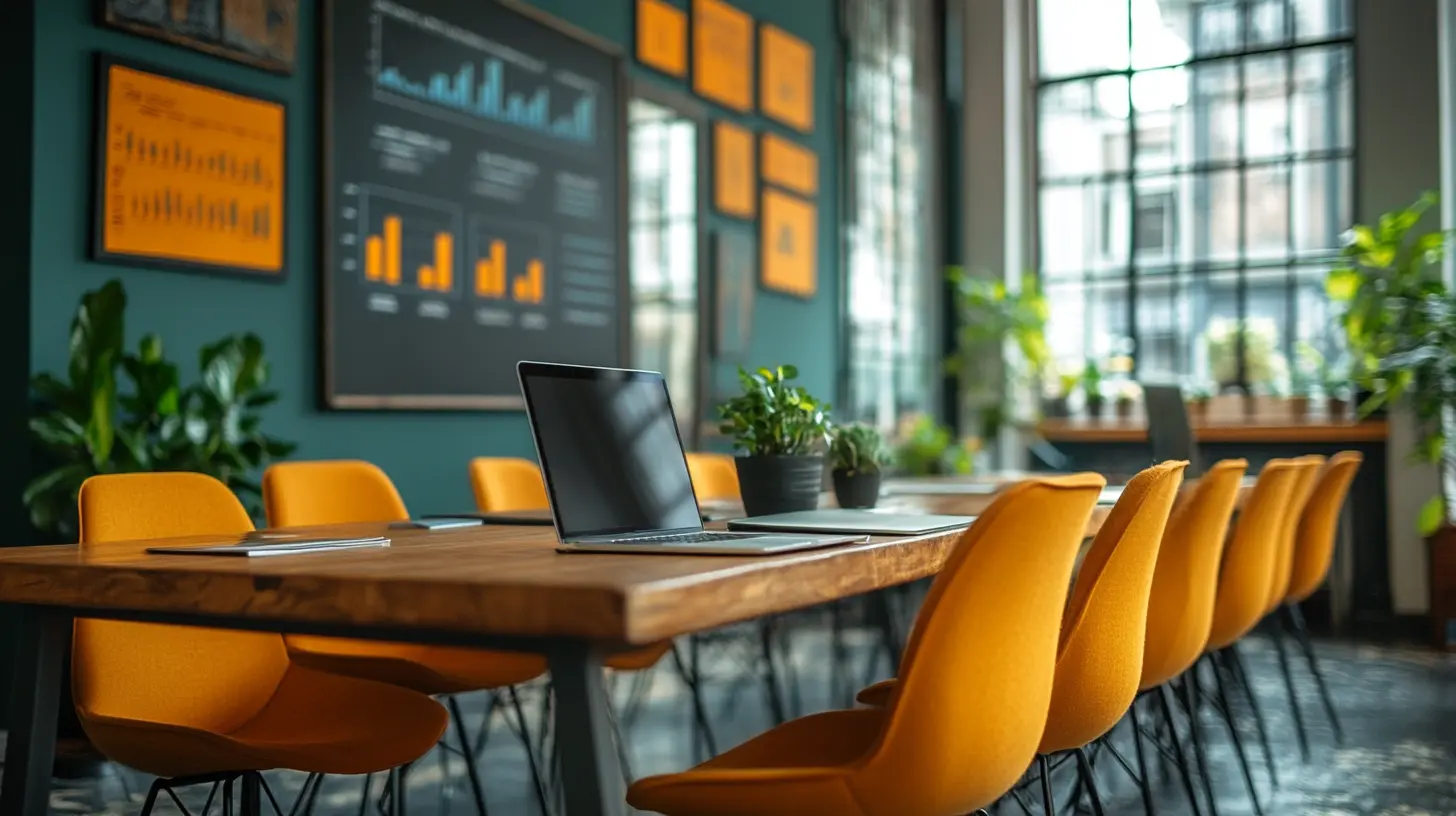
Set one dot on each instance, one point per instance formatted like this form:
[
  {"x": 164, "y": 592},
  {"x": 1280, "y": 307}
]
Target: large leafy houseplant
[
  {"x": 780, "y": 430},
  {"x": 927, "y": 448},
  {"x": 120, "y": 411},
  {"x": 989, "y": 314}
]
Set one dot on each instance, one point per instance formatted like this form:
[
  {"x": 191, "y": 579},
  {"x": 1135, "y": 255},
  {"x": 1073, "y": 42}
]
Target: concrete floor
[{"x": 1398, "y": 706}]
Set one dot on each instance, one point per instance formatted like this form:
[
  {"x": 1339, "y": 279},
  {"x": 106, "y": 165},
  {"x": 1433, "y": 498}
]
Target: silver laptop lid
[{"x": 609, "y": 450}]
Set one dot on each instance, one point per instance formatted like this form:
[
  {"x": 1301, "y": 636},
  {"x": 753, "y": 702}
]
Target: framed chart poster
[
  {"x": 789, "y": 165},
  {"x": 263, "y": 33},
  {"x": 786, "y": 78},
  {"x": 723, "y": 54},
  {"x": 789, "y": 244},
  {"x": 662, "y": 37},
  {"x": 734, "y": 187},
  {"x": 188, "y": 175}
]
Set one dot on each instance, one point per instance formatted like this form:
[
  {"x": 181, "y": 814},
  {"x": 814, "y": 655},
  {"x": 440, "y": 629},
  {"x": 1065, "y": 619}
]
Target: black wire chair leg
[
  {"x": 364, "y": 794},
  {"x": 538, "y": 783},
  {"x": 477, "y": 791},
  {"x": 1089, "y": 780},
  {"x": 1142, "y": 762},
  {"x": 770, "y": 673},
  {"x": 1299, "y": 731},
  {"x": 1235, "y": 662},
  {"x": 151, "y": 801},
  {"x": 1228, "y": 715},
  {"x": 1301, "y": 631},
  {"x": 702, "y": 729},
  {"x": 1048, "y": 802},
  {"x": 1195, "y": 733}
]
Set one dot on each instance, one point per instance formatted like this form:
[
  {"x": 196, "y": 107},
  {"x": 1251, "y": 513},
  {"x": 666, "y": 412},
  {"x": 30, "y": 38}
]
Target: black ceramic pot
[
  {"x": 779, "y": 484},
  {"x": 1056, "y": 408},
  {"x": 1094, "y": 407},
  {"x": 856, "y": 490}
]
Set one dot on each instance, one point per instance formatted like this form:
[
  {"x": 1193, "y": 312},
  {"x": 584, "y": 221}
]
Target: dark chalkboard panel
[{"x": 474, "y": 202}]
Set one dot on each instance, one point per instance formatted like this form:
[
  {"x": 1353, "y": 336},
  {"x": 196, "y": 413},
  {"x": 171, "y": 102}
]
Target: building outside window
[{"x": 1194, "y": 174}]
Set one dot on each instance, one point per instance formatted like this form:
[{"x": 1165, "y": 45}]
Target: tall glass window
[
  {"x": 1195, "y": 171},
  {"x": 891, "y": 84}
]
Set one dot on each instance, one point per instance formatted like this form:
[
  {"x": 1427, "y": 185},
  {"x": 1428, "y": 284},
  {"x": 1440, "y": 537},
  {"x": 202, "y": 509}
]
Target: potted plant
[
  {"x": 857, "y": 454},
  {"x": 927, "y": 448},
  {"x": 988, "y": 314},
  {"x": 1385, "y": 265},
  {"x": 1199, "y": 397},
  {"x": 1092, "y": 388},
  {"x": 778, "y": 429},
  {"x": 1127, "y": 392},
  {"x": 1263, "y": 365},
  {"x": 1060, "y": 405},
  {"x": 1301, "y": 384}
]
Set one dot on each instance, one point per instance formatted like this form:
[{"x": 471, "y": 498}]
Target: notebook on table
[
  {"x": 863, "y": 522},
  {"x": 252, "y": 546},
  {"x": 615, "y": 471}
]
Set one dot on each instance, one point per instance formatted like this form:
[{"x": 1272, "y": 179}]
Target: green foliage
[
  {"x": 1067, "y": 383},
  {"x": 988, "y": 314},
  {"x": 928, "y": 448},
  {"x": 88, "y": 425},
  {"x": 1384, "y": 265},
  {"x": 1092, "y": 380},
  {"x": 857, "y": 448},
  {"x": 1264, "y": 366},
  {"x": 1433, "y": 515},
  {"x": 773, "y": 418}
]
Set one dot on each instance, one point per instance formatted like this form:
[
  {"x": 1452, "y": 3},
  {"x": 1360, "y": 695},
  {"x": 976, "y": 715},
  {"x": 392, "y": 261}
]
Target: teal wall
[{"x": 425, "y": 453}]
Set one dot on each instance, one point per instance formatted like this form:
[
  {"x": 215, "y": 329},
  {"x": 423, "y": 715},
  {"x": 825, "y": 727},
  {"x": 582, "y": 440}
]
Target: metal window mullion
[
  {"x": 1241, "y": 283},
  {"x": 1291, "y": 305},
  {"x": 1132, "y": 202},
  {"x": 1241, "y": 54}
]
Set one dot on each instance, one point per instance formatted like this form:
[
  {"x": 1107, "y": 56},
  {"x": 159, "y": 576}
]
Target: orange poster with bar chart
[
  {"x": 788, "y": 165},
  {"x": 734, "y": 189},
  {"x": 191, "y": 176},
  {"x": 789, "y": 244},
  {"x": 786, "y": 78},
  {"x": 723, "y": 54}
]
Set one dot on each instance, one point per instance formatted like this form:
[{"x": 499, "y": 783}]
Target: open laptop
[{"x": 615, "y": 471}]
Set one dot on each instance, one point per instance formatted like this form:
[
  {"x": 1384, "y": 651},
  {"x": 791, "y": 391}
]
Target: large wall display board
[
  {"x": 473, "y": 202},
  {"x": 188, "y": 175}
]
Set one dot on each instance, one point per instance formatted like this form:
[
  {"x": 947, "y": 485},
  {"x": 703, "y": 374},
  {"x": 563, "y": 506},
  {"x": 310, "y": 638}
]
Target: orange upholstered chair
[
  {"x": 959, "y": 729},
  {"x": 306, "y": 494},
  {"x": 1313, "y": 550},
  {"x": 715, "y": 477},
  {"x": 180, "y": 701},
  {"x": 507, "y": 485},
  {"x": 1309, "y": 471}
]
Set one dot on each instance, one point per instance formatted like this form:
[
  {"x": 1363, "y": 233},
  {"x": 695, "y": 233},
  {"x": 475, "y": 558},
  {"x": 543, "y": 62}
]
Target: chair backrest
[
  {"x": 1309, "y": 470},
  {"x": 507, "y": 485},
  {"x": 338, "y": 491},
  {"x": 1180, "y": 605},
  {"x": 210, "y": 679},
  {"x": 977, "y": 672},
  {"x": 714, "y": 475},
  {"x": 1170, "y": 432},
  {"x": 1248, "y": 558},
  {"x": 1314, "y": 540},
  {"x": 1100, "y": 656}
]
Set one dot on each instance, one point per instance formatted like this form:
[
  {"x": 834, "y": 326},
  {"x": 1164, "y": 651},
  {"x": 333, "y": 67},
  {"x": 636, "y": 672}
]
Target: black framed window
[
  {"x": 891, "y": 279},
  {"x": 1195, "y": 168}
]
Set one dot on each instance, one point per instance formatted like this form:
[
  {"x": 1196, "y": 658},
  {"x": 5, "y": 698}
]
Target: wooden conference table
[{"x": 492, "y": 587}]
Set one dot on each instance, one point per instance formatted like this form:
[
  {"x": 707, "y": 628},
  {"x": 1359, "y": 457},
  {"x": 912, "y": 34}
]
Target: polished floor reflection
[{"x": 1397, "y": 704}]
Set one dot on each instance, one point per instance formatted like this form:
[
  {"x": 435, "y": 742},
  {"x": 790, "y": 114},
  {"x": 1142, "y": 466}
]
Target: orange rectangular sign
[
  {"x": 191, "y": 175},
  {"x": 786, "y": 78},
  {"x": 662, "y": 37},
  {"x": 789, "y": 244},
  {"x": 733, "y": 181},
  {"x": 789, "y": 165},
  {"x": 723, "y": 54}
]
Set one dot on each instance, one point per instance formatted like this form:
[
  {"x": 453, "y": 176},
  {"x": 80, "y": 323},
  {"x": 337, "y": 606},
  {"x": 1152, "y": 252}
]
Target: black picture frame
[
  {"x": 735, "y": 287},
  {"x": 98, "y": 251},
  {"x": 329, "y": 399},
  {"x": 207, "y": 36}
]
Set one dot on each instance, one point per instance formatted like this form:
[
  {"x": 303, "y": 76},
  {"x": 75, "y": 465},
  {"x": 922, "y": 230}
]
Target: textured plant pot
[
  {"x": 1336, "y": 407},
  {"x": 779, "y": 484},
  {"x": 1124, "y": 409},
  {"x": 1299, "y": 407},
  {"x": 1094, "y": 407},
  {"x": 856, "y": 490},
  {"x": 1056, "y": 407}
]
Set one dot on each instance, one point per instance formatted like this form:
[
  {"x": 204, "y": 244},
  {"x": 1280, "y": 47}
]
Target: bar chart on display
[{"x": 474, "y": 165}]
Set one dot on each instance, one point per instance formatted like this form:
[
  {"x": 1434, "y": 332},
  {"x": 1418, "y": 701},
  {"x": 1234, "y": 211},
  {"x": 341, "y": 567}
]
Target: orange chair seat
[
  {"x": 800, "y": 768},
  {"x": 315, "y": 722},
  {"x": 425, "y": 669}
]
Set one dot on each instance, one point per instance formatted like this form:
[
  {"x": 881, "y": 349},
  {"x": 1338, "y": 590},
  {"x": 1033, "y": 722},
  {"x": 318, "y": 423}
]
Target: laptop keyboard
[{"x": 683, "y": 538}]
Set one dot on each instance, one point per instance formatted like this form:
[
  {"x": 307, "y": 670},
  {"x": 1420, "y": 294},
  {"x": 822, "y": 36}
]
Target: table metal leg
[
  {"x": 31, "y": 746},
  {"x": 591, "y": 773}
]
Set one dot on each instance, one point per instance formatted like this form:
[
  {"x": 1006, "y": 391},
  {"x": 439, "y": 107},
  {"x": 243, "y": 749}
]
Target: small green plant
[
  {"x": 1067, "y": 383},
  {"x": 857, "y": 448},
  {"x": 1198, "y": 392},
  {"x": 772, "y": 417},
  {"x": 89, "y": 424},
  {"x": 927, "y": 448},
  {"x": 1092, "y": 380}
]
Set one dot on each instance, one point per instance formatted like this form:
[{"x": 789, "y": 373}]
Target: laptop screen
[{"x": 609, "y": 450}]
